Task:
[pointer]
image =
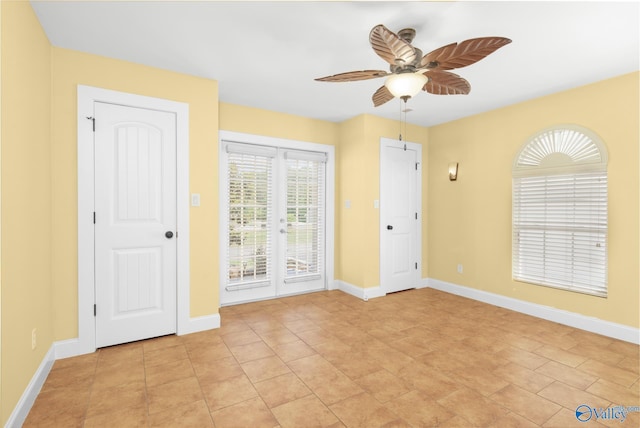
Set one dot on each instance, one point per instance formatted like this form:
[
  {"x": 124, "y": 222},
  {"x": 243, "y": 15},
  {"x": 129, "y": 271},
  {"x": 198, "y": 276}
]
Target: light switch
[
  {"x": 195, "y": 199},
  {"x": 347, "y": 203},
  {"x": 376, "y": 203}
]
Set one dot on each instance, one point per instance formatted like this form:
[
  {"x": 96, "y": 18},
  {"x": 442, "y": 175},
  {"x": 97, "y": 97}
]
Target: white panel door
[
  {"x": 135, "y": 223},
  {"x": 398, "y": 218}
]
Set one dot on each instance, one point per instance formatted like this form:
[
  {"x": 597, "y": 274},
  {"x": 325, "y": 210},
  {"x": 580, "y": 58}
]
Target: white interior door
[
  {"x": 135, "y": 223},
  {"x": 399, "y": 215},
  {"x": 275, "y": 222}
]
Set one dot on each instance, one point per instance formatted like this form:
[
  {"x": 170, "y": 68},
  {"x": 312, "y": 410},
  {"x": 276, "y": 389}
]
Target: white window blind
[
  {"x": 250, "y": 214},
  {"x": 560, "y": 214},
  {"x": 560, "y": 231},
  {"x": 305, "y": 215}
]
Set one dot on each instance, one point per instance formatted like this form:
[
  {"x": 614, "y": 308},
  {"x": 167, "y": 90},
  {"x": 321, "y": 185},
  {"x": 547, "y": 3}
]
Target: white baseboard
[
  {"x": 21, "y": 411},
  {"x": 74, "y": 347},
  {"x": 361, "y": 293},
  {"x": 70, "y": 348},
  {"x": 207, "y": 322},
  {"x": 572, "y": 319}
]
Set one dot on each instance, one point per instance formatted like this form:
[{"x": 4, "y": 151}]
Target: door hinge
[
  {"x": 94, "y": 310},
  {"x": 417, "y": 163},
  {"x": 93, "y": 120},
  {"x": 416, "y": 265},
  {"x": 416, "y": 216},
  {"x": 94, "y": 217}
]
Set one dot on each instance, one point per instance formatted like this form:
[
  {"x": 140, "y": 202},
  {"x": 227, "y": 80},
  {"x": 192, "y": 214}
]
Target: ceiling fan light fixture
[{"x": 406, "y": 84}]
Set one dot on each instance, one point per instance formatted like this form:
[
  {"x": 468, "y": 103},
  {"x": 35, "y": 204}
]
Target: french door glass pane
[
  {"x": 250, "y": 214},
  {"x": 305, "y": 218}
]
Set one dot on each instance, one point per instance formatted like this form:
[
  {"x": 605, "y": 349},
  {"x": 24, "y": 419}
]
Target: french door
[{"x": 275, "y": 221}]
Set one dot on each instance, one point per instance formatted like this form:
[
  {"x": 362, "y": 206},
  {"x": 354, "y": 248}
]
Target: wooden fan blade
[
  {"x": 390, "y": 47},
  {"x": 351, "y": 76},
  {"x": 446, "y": 83},
  {"x": 457, "y": 55},
  {"x": 381, "y": 96}
]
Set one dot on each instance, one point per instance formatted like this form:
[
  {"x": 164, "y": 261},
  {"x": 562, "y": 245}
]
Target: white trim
[
  {"x": 72, "y": 347},
  {"x": 387, "y": 142},
  {"x": 87, "y": 96},
  {"x": 21, "y": 411},
  {"x": 359, "y": 292},
  {"x": 238, "y": 137},
  {"x": 572, "y": 319},
  {"x": 203, "y": 323},
  {"x": 424, "y": 283},
  {"x": 69, "y": 348}
]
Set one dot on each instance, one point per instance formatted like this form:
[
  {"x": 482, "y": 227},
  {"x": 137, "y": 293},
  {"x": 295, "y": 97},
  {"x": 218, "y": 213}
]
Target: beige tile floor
[{"x": 419, "y": 358}]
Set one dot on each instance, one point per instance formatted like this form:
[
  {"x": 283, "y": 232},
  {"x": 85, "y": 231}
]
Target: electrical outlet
[
  {"x": 460, "y": 269},
  {"x": 33, "y": 339}
]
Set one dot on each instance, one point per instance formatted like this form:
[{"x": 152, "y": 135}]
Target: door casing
[{"x": 87, "y": 96}]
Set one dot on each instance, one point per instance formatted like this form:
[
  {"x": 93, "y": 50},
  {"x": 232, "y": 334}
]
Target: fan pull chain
[
  {"x": 405, "y": 123},
  {"x": 400, "y": 133},
  {"x": 403, "y": 120}
]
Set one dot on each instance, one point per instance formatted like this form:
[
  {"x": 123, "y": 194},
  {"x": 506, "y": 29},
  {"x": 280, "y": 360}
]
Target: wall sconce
[{"x": 453, "y": 171}]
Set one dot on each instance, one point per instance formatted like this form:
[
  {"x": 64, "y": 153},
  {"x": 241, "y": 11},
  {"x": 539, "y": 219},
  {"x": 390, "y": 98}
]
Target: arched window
[{"x": 560, "y": 211}]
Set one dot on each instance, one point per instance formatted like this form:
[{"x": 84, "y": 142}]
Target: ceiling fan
[{"x": 410, "y": 72}]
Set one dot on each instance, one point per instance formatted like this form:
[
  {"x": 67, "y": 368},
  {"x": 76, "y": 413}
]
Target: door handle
[
  {"x": 283, "y": 230},
  {"x": 389, "y": 227},
  {"x": 169, "y": 234}
]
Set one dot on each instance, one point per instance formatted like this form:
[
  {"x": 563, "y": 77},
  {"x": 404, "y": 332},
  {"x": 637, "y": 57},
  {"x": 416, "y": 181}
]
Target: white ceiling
[{"x": 266, "y": 54}]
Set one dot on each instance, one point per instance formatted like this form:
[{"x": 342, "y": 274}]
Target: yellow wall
[
  {"x": 351, "y": 171},
  {"x": 1, "y": 411},
  {"x": 71, "y": 68},
  {"x": 26, "y": 200},
  {"x": 357, "y": 141},
  {"x": 358, "y": 169},
  {"x": 249, "y": 120},
  {"x": 470, "y": 219},
  {"x": 466, "y": 222}
]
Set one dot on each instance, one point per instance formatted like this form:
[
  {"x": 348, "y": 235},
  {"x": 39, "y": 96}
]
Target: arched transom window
[{"x": 560, "y": 211}]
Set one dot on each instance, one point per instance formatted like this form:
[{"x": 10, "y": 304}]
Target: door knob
[
  {"x": 389, "y": 227},
  {"x": 169, "y": 234}
]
